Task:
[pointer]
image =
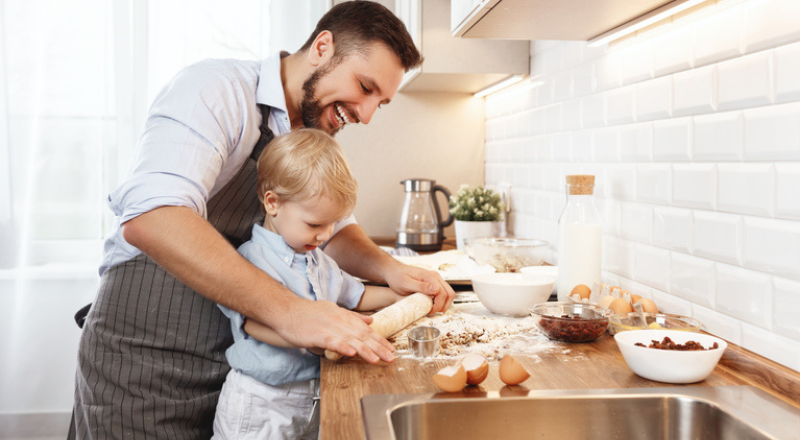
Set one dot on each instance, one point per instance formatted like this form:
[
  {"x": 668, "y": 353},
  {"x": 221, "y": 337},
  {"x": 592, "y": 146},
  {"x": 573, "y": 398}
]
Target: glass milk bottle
[{"x": 579, "y": 238}]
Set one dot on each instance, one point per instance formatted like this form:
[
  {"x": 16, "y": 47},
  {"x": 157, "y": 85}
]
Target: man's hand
[
  {"x": 326, "y": 326},
  {"x": 405, "y": 280}
]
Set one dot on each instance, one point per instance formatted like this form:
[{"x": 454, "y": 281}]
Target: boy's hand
[{"x": 405, "y": 280}]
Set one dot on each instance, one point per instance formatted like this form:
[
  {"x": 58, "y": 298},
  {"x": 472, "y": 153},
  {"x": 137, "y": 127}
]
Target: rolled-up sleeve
[{"x": 194, "y": 126}]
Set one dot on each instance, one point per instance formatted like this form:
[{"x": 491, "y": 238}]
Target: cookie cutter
[{"x": 424, "y": 341}]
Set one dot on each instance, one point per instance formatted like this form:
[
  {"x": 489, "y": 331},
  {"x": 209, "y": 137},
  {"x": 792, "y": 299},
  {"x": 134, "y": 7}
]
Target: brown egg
[
  {"x": 605, "y": 301},
  {"x": 581, "y": 290},
  {"x": 648, "y": 305},
  {"x": 634, "y": 297},
  {"x": 476, "y": 367},
  {"x": 611, "y": 288},
  {"x": 512, "y": 372},
  {"x": 451, "y": 379},
  {"x": 620, "y": 306}
]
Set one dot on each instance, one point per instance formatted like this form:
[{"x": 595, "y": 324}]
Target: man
[{"x": 151, "y": 359}]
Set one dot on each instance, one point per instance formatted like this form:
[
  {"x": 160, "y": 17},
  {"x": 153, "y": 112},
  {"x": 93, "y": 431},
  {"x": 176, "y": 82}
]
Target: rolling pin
[{"x": 396, "y": 317}]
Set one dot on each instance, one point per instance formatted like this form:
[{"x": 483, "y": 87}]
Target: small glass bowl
[
  {"x": 506, "y": 254},
  {"x": 571, "y": 322},
  {"x": 655, "y": 321}
]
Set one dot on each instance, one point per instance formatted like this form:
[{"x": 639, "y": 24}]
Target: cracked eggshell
[
  {"x": 451, "y": 379},
  {"x": 512, "y": 372},
  {"x": 476, "y": 367}
]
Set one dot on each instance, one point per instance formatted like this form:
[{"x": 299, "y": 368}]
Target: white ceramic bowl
[
  {"x": 511, "y": 293},
  {"x": 670, "y": 366},
  {"x": 548, "y": 271}
]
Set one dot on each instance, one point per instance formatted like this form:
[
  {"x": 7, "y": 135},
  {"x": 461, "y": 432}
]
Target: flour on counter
[{"x": 471, "y": 328}]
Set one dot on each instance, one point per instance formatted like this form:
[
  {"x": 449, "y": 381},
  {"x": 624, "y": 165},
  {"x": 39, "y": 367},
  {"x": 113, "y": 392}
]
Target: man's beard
[{"x": 310, "y": 108}]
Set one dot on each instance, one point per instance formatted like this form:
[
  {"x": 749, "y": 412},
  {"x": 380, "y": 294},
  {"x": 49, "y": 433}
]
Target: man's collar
[{"x": 270, "y": 88}]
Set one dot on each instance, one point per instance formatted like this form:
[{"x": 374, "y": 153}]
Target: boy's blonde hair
[{"x": 306, "y": 163}]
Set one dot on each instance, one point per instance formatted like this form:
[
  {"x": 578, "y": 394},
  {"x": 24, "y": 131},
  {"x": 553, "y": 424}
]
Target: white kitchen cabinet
[
  {"x": 454, "y": 64},
  {"x": 544, "y": 19}
]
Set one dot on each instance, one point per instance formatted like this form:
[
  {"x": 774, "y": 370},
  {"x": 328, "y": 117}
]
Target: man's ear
[
  {"x": 322, "y": 49},
  {"x": 271, "y": 203}
]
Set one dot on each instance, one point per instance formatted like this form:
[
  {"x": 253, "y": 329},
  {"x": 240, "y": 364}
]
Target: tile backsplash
[{"x": 692, "y": 127}]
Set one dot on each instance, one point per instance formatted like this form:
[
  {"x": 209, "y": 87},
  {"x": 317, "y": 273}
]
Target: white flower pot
[{"x": 466, "y": 229}]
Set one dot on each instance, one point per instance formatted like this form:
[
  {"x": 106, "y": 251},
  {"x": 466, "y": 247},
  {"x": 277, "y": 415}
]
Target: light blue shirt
[
  {"x": 311, "y": 275},
  {"x": 200, "y": 130}
]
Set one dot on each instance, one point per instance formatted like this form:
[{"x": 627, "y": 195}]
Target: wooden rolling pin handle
[{"x": 396, "y": 317}]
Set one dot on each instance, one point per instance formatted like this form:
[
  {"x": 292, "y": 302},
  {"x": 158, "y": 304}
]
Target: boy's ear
[
  {"x": 321, "y": 50},
  {"x": 271, "y": 203}
]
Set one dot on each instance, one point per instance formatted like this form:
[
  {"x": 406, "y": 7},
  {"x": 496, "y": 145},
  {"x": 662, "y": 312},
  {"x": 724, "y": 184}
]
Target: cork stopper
[{"x": 580, "y": 184}]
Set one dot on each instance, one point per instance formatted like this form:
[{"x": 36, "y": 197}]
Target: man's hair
[
  {"x": 355, "y": 25},
  {"x": 306, "y": 163}
]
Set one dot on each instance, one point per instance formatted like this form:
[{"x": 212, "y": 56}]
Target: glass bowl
[
  {"x": 506, "y": 254},
  {"x": 655, "y": 321},
  {"x": 571, "y": 322}
]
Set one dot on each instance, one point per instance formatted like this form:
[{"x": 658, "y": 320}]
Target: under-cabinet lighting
[
  {"x": 499, "y": 85},
  {"x": 645, "y": 20}
]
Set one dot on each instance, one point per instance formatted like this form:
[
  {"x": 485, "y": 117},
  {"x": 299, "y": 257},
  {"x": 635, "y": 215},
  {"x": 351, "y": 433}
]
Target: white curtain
[{"x": 76, "y": 78}]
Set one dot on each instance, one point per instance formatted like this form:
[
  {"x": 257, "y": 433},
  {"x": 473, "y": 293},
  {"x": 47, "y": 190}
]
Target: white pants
[{"x": 251, "y": 409}]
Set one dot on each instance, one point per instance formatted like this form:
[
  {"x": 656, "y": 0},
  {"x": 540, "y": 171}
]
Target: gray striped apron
[{"x": 151, "y": 359}]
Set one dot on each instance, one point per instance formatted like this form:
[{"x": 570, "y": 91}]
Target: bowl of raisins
[{"x": 571, "y": 322}]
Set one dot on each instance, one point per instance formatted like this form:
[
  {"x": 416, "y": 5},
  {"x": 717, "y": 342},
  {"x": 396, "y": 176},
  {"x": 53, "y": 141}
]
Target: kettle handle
[{"x": 450, "y": 219}]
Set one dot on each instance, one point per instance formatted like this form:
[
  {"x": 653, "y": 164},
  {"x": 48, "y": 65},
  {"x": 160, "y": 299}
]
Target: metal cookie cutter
[{"x": 424, "y": 341}]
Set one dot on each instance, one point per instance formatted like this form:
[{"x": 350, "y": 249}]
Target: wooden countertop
[{"x": 594, "y": 365}]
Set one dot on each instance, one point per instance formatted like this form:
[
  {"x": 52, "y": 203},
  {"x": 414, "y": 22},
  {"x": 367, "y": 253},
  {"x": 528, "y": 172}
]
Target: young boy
[{"x": 305, "y": 186}]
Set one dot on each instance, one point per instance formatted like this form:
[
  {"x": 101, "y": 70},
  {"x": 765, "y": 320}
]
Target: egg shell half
[
  {"x": 648, "y": 305},
  {"x": 512, "y": 372},
  {"x": 451, "y": 379},
  {"x": 476, "y": 367}
]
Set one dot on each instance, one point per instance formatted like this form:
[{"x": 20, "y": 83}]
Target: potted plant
[{"x": 478, "y": 213}]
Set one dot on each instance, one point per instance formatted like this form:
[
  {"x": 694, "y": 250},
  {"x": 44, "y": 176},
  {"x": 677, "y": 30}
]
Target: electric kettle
[{"x": 421, "y": 227}]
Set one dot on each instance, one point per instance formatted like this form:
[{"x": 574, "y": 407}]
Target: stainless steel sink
[{"x": 670, "y": 413}]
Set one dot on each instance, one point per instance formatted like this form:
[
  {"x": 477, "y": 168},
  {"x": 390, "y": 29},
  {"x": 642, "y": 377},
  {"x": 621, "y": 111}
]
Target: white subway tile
[
  {"x": 571, "y": 115},
  {"x": 611, "y": 212},
  {"x": 561, "y": 146},
  {"x": 672, "y": 140},
  {"x": 608, "y": 71},
  {"x": 636, "y": 288},
  {"x": 571, "y": 54},
  {"x": 654, "y": 183},
  {"x": 622, "y": 182},
  {"x": 553, "y": 178},
  {"x": 718, "y": 36},
  {"x": 637, "y": 62},
  {"x": 718, "y": 324},
  {"x": 719, "y": 137},
  {"x": 544, "y": 92},
  {"x": 543, "y": 203},
  {"x": 607, "y": 144},
  {"x": 746, "y": 81},
  {"x": 695, "y": 91},
  {"x": 552, "y": 59},
  {"x": 673, "y": 50},
  {"x": 668, "y": 303},
  {"x": 536, "y": 122},
  {"x": 636, "y": 142},
  {"x": 552, "y": 118},
  {"x": 583, "y": 79},
  {"x": 747, "y": 188},
  {"x": 652, "y": 266},
  {"x": 772, "y": 133},
  {"x": 744, "y": 294},
  {"x": 787, "y": 304},
  {"x": 562, "y": 86},
  {"x": 777, "y": 348},
  {"x": 637, "y": 222},
  {"x": 787, "y": 196},
  {"x": 544, "y": 148},
  {"x": 694, "y": 186},
  {"x": 772, "y": 246},
  {"x": 621, "y": 105},
  {"x": 594, "y": 110},
  {"x": 582, "y": 146},
  {"x": 692, "y": 278},
  {"x": 528, "y": 150},
  {"x": 672, "y": 228},
  {"x": 770, "y": 23},
  {"x": 618, "y": 256},
  {"x": 787, "y": 73},
  {"x": 717, "y": 236},
  {"x": 654, "y": 99}
]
